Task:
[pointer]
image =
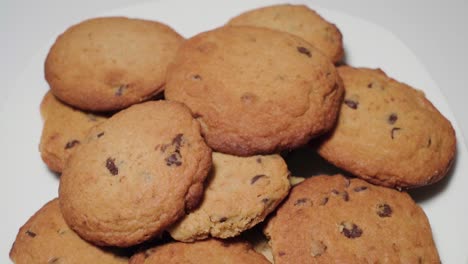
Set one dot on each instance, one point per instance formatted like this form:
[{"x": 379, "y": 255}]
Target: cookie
[
  {"x": 333, "y": 219},
  {"x": 106, "y": 64},
  {"x": 135, "y": 174},
  {"x": 46, "y": 238},
  {"x": 255, "y": 90},
  {"x": 239, "y": 193},
  {"x": 209, "y": 251},
  {"x": 298, "y": 20},
  {"x": 64, "y": 128},
  {"x": 388, "y": 133}
]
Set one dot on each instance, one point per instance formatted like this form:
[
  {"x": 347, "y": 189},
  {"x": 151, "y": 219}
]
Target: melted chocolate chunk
[
  {"x": 351, "y": 230},
  {"x": 30, "y": 233},
  {"x": 256, "y": 178},
  {"x": 392, "y": 118},
  {"x": 384, "y": 210},
  {"x": 351, "y": 104},
  {"x": 304, "y": 51},
  {"x": 393, "y": 131},
  {"x": 360, "y": 188},
  {"x": 174, "y": 160},
  {"x": 110, "y": 165},
  {"x": 70, "y": 144}
]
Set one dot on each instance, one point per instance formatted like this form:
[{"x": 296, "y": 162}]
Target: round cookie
[
  {"x": 64, "y": 128},
  {"x": 239, "y": 193},
  {"x": 209, "y": 251},
  {"x": 135, "y": 174},
  {"x": 255, "y": 90},
  {"x": 110, "y": 63},
  {"x": 388, "y": 133},
  {"x": 46, "y": 238},
  {"x": 333, "y": 219},
  {"x": 298, "y": 20}
]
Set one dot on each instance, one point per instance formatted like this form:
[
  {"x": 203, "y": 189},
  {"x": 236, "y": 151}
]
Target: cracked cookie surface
[
  {"x": 46, "y": 238},
  {"x": 135, "y": 174},
  {"x": 64, "y": 128},
  {"x": 298, "y": 20},
  {"x": 333, "y": 219},
  {"x": 239, "y": 193},
  {"x": 110, "y": 63},
  {"x": 388, "y": 133},
  {"x": 209, "y": 251},
  {"x": 255, "y": 90}
]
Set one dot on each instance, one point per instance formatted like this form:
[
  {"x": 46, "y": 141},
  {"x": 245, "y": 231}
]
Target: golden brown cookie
[
  {"x": 240, "y": 192},
  {"x": 388, "y": 133},
  {"x": 332, "y": 219},
  {"x": 46, "y": 239},
  {"x": 209, "y": 251},
  {"x": 64, "y": 128},
  {"x": 298, "y": 20},
  {"x": 110, "y": 63},
  {"x": 135, "y": 174},
  {"x": 255, "y": 90}
]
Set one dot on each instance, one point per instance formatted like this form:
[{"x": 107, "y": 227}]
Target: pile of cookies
[{"x": 175, "y": 150}]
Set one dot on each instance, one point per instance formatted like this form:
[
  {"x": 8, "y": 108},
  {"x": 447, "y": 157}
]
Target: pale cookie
[
  {"x": 240, "y": 192},
  {"x": 333, "y": 219},
  {"x": 255, "y": 90},
  {"x": 135, "y": 175},
  {"x": 298, "y": 20},
  {"x": 209, "y": 251},
  {"x": 110, "y": 63},
  {"x": 388, "y": 133},
  {"x": 46, "y": 239},
  {"x": 64, "y": 128}
]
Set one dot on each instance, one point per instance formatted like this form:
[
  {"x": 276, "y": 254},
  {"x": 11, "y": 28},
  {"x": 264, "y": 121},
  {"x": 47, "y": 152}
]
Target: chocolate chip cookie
[
  {"x": 333, "y": 219},
  {"x": 209, "y": 251},
  {"x": 64, "y": 128},
  {"x": 298, "y": 20},
  {"x": 388, "y": 133},
  {"x": 135, "y": 174},
  {"x": 240, "y": 193},
  {"x": 46, "y": 238},
  {"x": 255, "y": 90},
  {"x": 109, "y": 63}
]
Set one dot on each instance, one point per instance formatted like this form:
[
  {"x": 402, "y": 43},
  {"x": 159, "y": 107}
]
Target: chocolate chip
[
  {"x": 100, "y": 134},
  {"x": 70, "y": 144},
  {"x": 177, "y": 141},
  {"x": 301, "y": 201},
  {"x": 345, "y": 196},
  {"x": 174, "y": 160},
  {"x": 370, "y": 85},
  {"x": 429, "y": 142},
  {"x": 324, "y": 201},
  {"x": 351, "y": 104},
  {"x": 384, "y": 210},
  {"x": 304, "y": 51},
  {"x": 30, "y": 233},
  {"x": 256, "y": 178},
  {"x": 265, "y": 200},
  {"x": 281, "y": 253},
  {"x": 392, "y": 118},
  {"x": 393, "y": 131},
  {"x": 120, "y": 90},
  {"x": 259, "y": 160},
  {"x": 223, "y": 219},
  {"x": 110, "y": 165},
  {"x": 53, "y": 260},
  {"x": 197, "y": 77},
  {"x": 197, "y": 115},
  {"x": 360, "y": 188},
  {"x": 350, "y": 230},
  {"x": 317, "y": 248}
]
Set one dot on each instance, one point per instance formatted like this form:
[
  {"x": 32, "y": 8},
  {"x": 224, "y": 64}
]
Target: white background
[{"x": 435, "y": 32}]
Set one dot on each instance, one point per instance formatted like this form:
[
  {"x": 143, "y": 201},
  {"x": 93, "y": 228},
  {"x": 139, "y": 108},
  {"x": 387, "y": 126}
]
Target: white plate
[{"x": 27, "y": 184}]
